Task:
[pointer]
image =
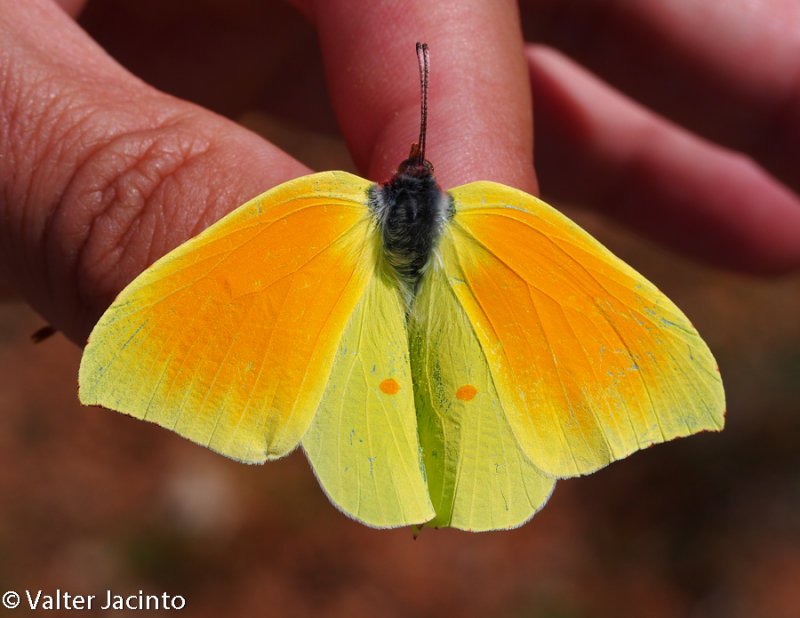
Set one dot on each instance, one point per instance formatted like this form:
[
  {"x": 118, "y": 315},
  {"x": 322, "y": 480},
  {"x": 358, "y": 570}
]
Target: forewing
[
  {"x": 229, "y": 339},
  {"x": 590, "y": 360}
]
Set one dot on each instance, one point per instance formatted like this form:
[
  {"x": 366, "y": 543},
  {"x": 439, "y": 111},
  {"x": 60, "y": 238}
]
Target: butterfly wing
[
  {"x": 229, "y": 339},
  {"x": 591, "y": 362},
  {"x": 363, "y": 442},
  {"x": 477, "y": 476}
]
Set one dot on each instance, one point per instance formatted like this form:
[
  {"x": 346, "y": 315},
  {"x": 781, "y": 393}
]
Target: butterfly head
[
  {"x": 416, "y": 165},
  {"x": 410, "y": 208}
]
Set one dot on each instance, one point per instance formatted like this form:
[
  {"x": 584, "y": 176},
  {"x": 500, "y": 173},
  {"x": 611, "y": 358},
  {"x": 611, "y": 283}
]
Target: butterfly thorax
[{"x": 411, "y": 211}]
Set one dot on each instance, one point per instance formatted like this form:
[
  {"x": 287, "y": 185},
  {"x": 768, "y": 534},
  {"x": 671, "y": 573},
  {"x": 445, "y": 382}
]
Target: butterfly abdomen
[{"x": 411, "y": 211}]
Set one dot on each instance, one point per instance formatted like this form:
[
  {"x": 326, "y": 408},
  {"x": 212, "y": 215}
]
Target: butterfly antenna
[{"x": 424, "y": 70}]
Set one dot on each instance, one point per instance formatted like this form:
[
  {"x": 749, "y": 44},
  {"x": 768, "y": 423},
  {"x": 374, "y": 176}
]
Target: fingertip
[
  {"x": 479, "y": 111},
  {"x": 72, "y": 8}
]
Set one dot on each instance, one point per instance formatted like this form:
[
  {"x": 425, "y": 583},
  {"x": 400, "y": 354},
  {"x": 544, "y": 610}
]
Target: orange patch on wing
[
  {"x": 390, "y": 386},
  {"x": 466, "y": 392}
]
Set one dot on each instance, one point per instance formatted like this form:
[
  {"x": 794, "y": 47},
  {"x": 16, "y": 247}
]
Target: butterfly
[{"x": 442, "y": 357}]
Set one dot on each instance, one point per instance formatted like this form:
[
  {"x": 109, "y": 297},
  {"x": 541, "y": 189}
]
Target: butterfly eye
[
  {"x": 389, "y": 386},
  {"x": 466, "y": 392}
]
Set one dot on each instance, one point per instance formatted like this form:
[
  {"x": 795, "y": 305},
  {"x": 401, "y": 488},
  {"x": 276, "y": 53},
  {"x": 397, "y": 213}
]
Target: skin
[
  {"x": 101, "y": 174},
  {"x": 717, "y": 85}
]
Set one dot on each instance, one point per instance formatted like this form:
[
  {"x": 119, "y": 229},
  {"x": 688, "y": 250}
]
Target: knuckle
[{"x": 122, "y": 203}]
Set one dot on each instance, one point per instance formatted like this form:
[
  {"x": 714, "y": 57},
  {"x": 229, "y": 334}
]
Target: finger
[
  {"x": 479, "y": 114},
  {"x": 727, "y": 70},
  {"x": 597, "y": 147},
  {"x": 101, "y": 174},
  {"x": 72, "y": 7}
]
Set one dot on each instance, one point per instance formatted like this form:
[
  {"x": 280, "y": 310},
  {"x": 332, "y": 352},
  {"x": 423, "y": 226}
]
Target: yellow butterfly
[{"x": 442, "y": 357}]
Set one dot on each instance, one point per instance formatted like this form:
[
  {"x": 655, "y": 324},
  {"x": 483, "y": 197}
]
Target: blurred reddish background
[{"x": 93, "y": 500}]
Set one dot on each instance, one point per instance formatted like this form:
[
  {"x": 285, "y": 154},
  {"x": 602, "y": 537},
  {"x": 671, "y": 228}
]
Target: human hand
[
  {"x": 102, "y": 174},
  {"x": 724, "y": 73}
]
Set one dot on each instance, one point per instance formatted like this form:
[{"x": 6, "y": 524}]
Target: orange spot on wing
[
  {"x": 466, "y": 392},
  {"x": 390, "y": 386}
]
